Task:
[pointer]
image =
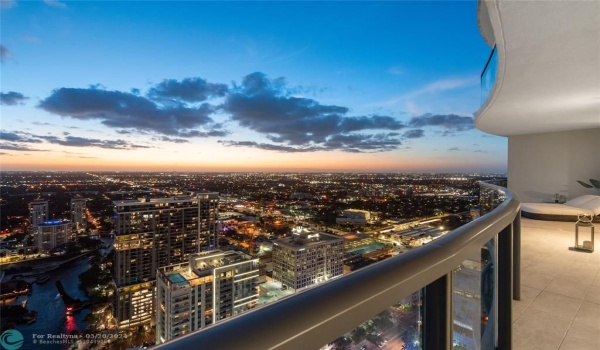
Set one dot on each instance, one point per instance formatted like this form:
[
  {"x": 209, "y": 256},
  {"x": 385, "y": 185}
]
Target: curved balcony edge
[{"x": 317, "y": 316}]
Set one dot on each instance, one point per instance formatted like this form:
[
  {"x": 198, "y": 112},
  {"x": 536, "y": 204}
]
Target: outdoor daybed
[{"x": 569, "y": 211}]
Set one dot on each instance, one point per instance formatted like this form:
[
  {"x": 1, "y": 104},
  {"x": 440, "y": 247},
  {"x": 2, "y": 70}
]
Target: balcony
[
  {"x": 560, "y": 290},
  {"x": 488, "y": 76},
  {"x": 465, "y": 282}
]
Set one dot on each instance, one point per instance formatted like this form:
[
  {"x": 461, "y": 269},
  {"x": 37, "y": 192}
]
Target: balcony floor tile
[
  {"x": 560, "y": 290},
  {"x": 581, "y": 337}
]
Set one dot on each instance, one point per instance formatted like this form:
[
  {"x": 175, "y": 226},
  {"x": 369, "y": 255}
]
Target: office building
[
  {"x": 52, "y": 234},
  {"x": 38, "y": 213},
  {"x": 153, "y": 233},
  {"x": 211, "y": 287},
  {"x": 307, "y": 258},
  {"x": 78, "y": 216}
]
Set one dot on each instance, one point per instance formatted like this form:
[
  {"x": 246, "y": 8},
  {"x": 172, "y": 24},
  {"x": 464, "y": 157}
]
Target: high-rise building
[
  {"x": 307, "y": 258},
  {"x": 153, "y": 233},
  {"x": 51, "y": 234},
  {"x": 38, "y": 212},
  {"x": 211, "y": 287},
  {"x": 78, "y": 217}
]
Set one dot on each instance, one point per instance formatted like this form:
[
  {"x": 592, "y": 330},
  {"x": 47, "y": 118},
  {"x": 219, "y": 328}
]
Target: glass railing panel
[
  {"x": 398, "y": 327},
  {"x": 490, "y": 197},
  {"x": 474, "y": 306},
  {"x": 488, "y": 76}
]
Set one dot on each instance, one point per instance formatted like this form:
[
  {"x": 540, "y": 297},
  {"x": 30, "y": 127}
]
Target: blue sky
[{"x": 243, "y": 86}]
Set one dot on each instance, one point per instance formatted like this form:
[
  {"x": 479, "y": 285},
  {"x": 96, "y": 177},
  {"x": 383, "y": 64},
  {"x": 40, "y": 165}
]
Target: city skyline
[{"x": 238, "y": 86}]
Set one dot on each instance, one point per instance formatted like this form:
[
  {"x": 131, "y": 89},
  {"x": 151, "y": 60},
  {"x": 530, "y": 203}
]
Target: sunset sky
[{"x": 243, "y": 86}]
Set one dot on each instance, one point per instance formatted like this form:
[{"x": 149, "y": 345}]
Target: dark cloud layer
[
  {"x": 414, "y": 134},
  {"x": 16, "y": 147},
  {"x": 11, "y": 98},
  {"x": 170, "y": 139},
  {"x": 302, "y": 124},
  {"x": 16, "y": 139},
  {"x": 124, "y": 110},
  {"x": 189, "y": 89},
  {"x": 75, "y": 141},
  {"x": 450, "y": 121},
  {"x": 269, "y": 147},
  {"x": 176, "y": 110}
]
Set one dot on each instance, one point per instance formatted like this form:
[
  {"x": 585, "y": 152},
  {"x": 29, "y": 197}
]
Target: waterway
[{"x": 51, "y": 311}]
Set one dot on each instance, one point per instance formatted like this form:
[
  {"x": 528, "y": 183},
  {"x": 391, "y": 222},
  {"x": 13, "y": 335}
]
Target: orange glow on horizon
[{"x": 246, "y": 161}]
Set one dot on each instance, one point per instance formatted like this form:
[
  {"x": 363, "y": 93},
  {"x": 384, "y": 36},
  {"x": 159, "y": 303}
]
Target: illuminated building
[
  {"x": 153, "y": 233},
  {"x": 307, "y": 258},
  {"x": 211, "y": 287},
  {"x": 51, "y": 234},
  {"x": 38, "y": 212},
  {"x": 354, "y": 216},
  {"x": 78, "y": 213}
]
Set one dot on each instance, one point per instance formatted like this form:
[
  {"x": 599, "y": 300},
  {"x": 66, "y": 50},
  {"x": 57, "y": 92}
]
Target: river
[{"x": 51, "y": 311}]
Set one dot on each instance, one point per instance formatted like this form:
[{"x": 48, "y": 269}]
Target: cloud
[
  {"x": 446, "y": 84},
  {"x": 15, "y": 137},
  {"x": 454, "y": 149},
  {"x": 75, "y": 141},
  {"x": 189, "y": 90},
  {"x": 435, "y": 86},
  {"x": 414, "y": 134},
  {"x": 13, "y": 147},
  {"x": 357, "y": 143},
  {"x": 451, "y": 122},
  {"x": 55, "y": 3},
  {"x": 4, "y": 53},
  {"x": 268, "y": 107},
  {"x": 269, "y": 147},
  {"x": 124, "y": 110},
  {"x": 11, "y": 98},
  {"x": 169, "y": 139}
]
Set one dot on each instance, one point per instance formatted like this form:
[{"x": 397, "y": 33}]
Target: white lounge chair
[{"x": 571, "y": 210}]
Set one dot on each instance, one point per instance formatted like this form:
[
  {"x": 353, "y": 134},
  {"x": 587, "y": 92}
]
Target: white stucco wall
[{"x": 540, "y": 165}]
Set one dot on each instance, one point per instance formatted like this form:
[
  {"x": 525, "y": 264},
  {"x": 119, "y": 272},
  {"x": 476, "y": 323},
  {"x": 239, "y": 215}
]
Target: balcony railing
[
  {"x": 464, "y": 283},
  {"x": 488, "y": 75}
]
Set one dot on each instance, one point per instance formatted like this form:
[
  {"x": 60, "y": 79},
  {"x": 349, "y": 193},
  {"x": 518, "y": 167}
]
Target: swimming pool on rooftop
[{"x": 178, "y": 279}]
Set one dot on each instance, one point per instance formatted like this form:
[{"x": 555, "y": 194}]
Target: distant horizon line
[{"x": 253, "y": 172}]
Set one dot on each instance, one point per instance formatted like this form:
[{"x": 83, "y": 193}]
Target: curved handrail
[{"x": 319, "y": 315}]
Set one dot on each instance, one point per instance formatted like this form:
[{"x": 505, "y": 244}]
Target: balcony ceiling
[{"x": 548, "y": 76}]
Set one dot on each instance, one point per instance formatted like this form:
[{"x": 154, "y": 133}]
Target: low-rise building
[
  {"x": 307, "y": 258},
  {"x": 354, "y": 216}
]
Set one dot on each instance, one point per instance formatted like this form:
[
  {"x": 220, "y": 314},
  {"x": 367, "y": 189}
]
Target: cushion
[
  {"x": 577, "y": 201},
  {"x": 593, "y": 205},
  {"x": 555, "y": 209}
]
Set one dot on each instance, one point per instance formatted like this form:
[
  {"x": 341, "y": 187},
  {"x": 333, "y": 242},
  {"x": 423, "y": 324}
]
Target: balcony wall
[{"x": 541, "y": 165}]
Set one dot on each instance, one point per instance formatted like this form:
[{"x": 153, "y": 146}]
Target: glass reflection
[{"x": 397, "y": 327}]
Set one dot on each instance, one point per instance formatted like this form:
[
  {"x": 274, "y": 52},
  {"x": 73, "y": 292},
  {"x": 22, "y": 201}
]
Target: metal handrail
[
  {"x": 487, "y": 63},
  {"x": 317, "y": 316}
]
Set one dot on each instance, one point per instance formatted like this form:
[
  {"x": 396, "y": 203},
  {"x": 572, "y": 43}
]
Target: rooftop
[
  {"x": 306, "y": 239},
  {"x": 215, "y": 259},
  {"x": 560, "y": 290},
  {"x": 54, "y": 222}
]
